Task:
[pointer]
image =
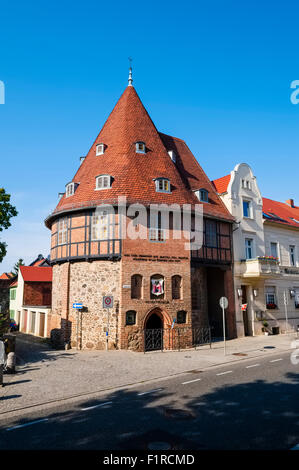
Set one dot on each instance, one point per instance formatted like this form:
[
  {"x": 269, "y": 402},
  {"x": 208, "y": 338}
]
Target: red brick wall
[{"x": 34, "y": 293}]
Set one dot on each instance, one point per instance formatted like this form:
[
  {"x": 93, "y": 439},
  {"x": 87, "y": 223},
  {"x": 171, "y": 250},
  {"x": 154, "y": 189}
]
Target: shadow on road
[{"x": 256, "y": 415}]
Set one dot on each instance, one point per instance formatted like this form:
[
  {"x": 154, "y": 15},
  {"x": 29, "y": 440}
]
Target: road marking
[
  {"x": 190, "y": 381},
  {"x": 276, "y": 360},
  {"x": 150, "y": 391},
  {"x": 227, "y": 372},
  {"x": 253, "y": 365},
  {"x": 26, "y": 424},
  {"x": 96, "y": 406}
]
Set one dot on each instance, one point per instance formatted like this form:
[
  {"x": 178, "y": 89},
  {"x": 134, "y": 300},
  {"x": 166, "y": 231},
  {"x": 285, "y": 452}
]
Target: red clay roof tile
[
  {"x": 36, "y": 273},
  {"x": 133, "y": 173}
]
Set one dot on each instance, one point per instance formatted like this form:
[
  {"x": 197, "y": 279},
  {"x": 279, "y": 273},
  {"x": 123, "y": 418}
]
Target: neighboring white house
[
  {"x": 30, "y": 299},
  {"x": 266, "y": 248}
]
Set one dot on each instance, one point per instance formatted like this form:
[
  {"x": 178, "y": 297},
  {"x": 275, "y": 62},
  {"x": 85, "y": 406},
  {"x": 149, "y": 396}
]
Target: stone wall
[{"x": 87, "y": 283}]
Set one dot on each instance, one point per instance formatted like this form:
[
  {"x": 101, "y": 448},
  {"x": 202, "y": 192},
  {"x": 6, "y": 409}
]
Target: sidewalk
[{"x": 44, "y": 374}]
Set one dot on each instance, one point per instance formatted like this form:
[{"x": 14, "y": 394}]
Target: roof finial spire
[{"x": 130, "y": 81}]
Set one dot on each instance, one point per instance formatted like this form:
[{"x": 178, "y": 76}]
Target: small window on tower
[
  {"x": 172, "y": 155},
  {"x": 100, "y": 149},
  {"x": 202, "y": 195},
  {"x": 140, "y": 147},
  {"x": 103, "y": 182},
  {"x": 70, "y": 189},
  {"x": 163, "y": 185}
]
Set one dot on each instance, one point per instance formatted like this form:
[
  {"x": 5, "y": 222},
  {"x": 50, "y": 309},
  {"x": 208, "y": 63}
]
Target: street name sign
[{"x": 77, "y": 305}]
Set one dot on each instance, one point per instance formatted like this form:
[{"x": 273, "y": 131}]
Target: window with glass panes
[
  {"x": 99, "y": 226},
  {"x": 62, "y": 231}
]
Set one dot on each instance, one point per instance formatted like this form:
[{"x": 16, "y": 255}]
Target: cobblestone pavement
[{"x": 46, "y": 375}]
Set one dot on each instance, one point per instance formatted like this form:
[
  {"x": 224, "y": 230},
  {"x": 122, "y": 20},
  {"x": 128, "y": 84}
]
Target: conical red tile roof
[{"x": 133, "y": 173}]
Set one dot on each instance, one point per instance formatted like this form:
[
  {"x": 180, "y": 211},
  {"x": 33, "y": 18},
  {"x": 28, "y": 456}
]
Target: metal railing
[{"x": 176, "y": 338}]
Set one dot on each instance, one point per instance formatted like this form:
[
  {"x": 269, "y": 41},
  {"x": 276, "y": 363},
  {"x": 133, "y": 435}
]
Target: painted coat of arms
[{"x": 157, "y": 286}]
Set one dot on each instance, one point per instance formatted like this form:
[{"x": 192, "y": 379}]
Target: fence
[{"x": 175, "y": 338}]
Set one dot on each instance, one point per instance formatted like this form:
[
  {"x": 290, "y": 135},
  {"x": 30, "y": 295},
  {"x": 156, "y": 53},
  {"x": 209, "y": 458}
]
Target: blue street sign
[{"x": 77, "y": 305}]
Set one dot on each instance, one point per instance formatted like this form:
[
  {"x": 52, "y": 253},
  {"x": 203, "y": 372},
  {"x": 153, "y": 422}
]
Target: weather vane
[{"x": 130, "y": 71}]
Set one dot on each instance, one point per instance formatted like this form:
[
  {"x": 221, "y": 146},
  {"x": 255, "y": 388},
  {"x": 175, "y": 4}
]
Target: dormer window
[
  {"x": 100, "y": 149},
  {"x": 172, "y": 155},
  {"x": 162, "y": 185},
  {"x": 140, "y": 147},
  {"x": 70, "y": 189},
  {"x": 82, "y": 160},
  {"x": 202, "y": 195},
  {"x": 103, "y": 182}
]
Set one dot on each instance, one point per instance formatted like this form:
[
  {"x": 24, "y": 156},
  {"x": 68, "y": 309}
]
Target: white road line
[
  {"x": 253, "y": 365},
  {"x": 276, "y": 360},
  {"x": 223, "y": 373},
  {"x": 26, "y": 424},
  {"x": 96, "y": 406},
  {"x": 150, "y": 391},
  {"x": 191, "y": 381}
]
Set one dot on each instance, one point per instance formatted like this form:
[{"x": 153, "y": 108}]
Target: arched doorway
[
  {"x": 154, "y": 321},
  {"x": 153, "y": 331}
]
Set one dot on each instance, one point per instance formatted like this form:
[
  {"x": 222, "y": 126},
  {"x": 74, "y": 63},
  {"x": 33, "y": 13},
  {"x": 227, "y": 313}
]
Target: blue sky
[{"x": 216, "y": 74}]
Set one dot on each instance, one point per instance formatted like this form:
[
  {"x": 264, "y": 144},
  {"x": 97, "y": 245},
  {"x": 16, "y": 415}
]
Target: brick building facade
[{"x": 92, "y": 258}]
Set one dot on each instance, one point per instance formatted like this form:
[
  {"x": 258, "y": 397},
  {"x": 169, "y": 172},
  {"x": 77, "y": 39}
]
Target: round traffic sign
[{"x": 223, "y": 302}]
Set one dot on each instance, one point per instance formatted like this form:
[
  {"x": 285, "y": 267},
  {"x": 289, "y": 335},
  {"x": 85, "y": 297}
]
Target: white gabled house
[{"x": 266, "y": 255}]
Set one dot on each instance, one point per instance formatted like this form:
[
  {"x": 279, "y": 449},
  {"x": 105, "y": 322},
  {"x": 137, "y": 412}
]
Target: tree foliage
[
  {"x": 7, "y": 211},
  {"x": 15, "y": 269}
]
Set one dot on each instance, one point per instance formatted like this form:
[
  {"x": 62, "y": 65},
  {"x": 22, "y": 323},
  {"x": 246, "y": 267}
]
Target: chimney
[{"x": 290, "y": 202}]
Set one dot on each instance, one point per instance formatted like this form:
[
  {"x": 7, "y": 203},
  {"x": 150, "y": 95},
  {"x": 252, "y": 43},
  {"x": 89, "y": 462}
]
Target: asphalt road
[{"x": 251, "y": 404}]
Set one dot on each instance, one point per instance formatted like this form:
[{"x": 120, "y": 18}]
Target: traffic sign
[
  {"x": 108, "y": 301},
  {"x": 223, "y": 302},
  {"x": 77, "y": 305}
]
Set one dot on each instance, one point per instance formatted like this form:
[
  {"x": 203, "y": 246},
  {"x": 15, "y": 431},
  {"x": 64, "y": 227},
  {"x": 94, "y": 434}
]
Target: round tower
[{"x": 96, "y": 247}]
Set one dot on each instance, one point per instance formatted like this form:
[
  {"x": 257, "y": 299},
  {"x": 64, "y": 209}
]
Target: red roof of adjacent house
[
  {"x": 281, "y": 212},
  {"x": 38, "y": 262},
  {"x": 6, "y": 276},
  {"x": 274, "y": 211},
  {"x": 133, "y": 174},
  {"x": 221, "y": 184},
  {"x": 14, "y": 284},
  {"x": 36, "y": 273}
]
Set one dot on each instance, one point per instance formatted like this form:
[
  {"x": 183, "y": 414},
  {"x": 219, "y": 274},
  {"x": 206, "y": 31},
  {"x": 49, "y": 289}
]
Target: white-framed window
[
  {"x": 100, "y": 149},
  {"x": 249, "y": 248},
  {"x": 100, "y": 226},
  {"x": 270, "y": 293},
  {"x": 69, "y": 189},
  {"x": 246, "y": 184},
  {"x": 293, "y": 261},
  {"x": 163, "y": 185},
  {"x": 62, "y": 231},
  {"x": 202, "y": 195},
  {"x": 156, "y": 232},
  {"x": 103, "y": 182},
  {"x": 247, "y": 209},
  {"x": 140, "y": 147},
  {"x": 274, "y": 249},
  {"x": 172, "y": 155}
]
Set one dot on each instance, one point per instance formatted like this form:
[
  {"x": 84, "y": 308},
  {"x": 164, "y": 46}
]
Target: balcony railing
[{"x": 258, "y": 267}]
